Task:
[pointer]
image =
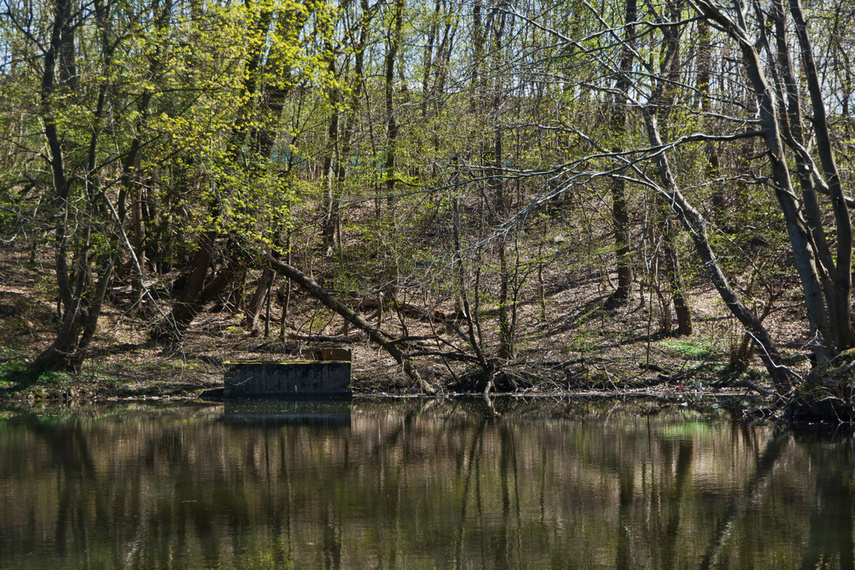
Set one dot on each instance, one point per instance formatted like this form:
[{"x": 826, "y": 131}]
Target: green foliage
[
  {"x": 15, "y": 376},
  {"x": 9, "y": 220},
  {"x": 11, "y": 371},
  {"x": 693, "y": 348}
]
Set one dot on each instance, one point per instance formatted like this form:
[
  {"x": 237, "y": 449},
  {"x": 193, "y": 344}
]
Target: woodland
[{"x": 478, "y": 195}]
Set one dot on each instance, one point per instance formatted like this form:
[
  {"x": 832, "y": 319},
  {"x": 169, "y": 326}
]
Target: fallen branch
[
  {"x": 457, "y": 356},
  {"x": 347, "y": 339},
  {"x": 378, "y": 301},
  {"x": 654, "y": 368},
  {"x": 759, "y": 389}
]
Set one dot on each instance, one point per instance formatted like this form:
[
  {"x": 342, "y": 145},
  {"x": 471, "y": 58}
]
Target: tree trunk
[
  {"x": 840, "y": 308},
  {"x": 79, "y": 304},
  {"x": 391, "y": 120},
  {"x": 660, "y": 104},
  {"x": 256, "y": 302},
  {"x": 332, "y": 165},
  {"x": 471, "y": 325},
  {"x": 341, "y": 143},
  {"x": 679, "y": 293},
  {"x": 620, "y": 211},
  {"x": 185, "y": 308}
]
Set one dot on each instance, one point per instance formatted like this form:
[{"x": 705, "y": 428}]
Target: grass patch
[
  {"x": 12, "y": 372},
  {"x": 584, "y": 342},
  {"x": 694, "y": 349},
  {"x": 8, "y": 353},
  {"x": 15, "y": 376}
]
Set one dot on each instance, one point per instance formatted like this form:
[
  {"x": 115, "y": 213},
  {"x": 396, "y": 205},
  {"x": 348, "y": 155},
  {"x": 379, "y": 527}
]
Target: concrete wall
[{"x": 302, "y": 379}]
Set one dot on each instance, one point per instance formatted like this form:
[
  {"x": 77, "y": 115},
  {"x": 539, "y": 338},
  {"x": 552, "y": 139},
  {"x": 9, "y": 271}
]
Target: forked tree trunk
[
  {"x": 185, "y": 308},
  {"x": 830, "y": 319},
  {"x": 79, "y": 298},
  {"x": 79, "y": 315}
]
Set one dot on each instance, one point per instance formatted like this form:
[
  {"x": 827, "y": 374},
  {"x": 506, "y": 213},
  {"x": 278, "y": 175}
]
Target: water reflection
[
  {"x": 419, "y": 484},
  {"x": 276, "y": 412}
]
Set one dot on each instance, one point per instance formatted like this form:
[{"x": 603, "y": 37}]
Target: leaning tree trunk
[
  {"x": 324, "y": 296},
  {"x": 695, "y": 224},
  {"x": 185, "y": 308}
]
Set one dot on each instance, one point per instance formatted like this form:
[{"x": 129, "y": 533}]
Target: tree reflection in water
[
  {"x": 420, "y": 483},
  {"x": 830, "y": 542}
]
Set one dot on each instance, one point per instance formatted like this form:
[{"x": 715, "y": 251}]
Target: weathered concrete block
[{"x": 301, "y": 379}]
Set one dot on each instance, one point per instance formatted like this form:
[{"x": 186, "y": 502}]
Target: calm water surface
[{"x": 419, "y": 484}]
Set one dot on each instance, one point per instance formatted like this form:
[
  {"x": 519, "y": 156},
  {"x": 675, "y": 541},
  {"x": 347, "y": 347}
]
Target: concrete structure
[{"x": 294, "y": 379}]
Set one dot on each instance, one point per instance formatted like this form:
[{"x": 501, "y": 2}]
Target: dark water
[{"x": 419, "y": 485}]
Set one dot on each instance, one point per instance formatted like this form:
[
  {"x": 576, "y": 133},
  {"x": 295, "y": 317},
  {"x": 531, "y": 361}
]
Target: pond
[{"x": 419, "y": 484}]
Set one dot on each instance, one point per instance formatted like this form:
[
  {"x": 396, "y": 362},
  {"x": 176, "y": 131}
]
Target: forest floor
[{"x": 567, "y": 345}]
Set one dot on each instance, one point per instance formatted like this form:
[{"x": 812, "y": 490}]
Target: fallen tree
[{"x": 315, "y": 290}]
